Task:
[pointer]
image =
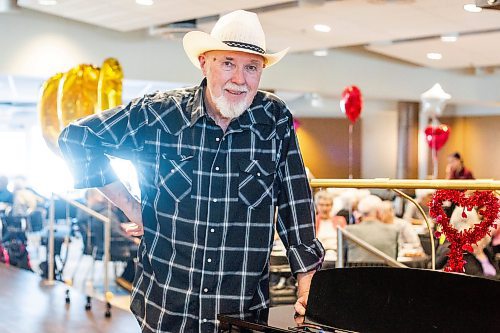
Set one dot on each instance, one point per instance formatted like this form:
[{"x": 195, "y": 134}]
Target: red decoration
[
  {"x": 488, "y": 206},
  {"x": 351, "y": 103},
  {"x": 436, "y": 136}
]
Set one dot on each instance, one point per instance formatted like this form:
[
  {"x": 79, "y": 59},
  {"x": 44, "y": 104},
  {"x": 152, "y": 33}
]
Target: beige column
[{"x": 407, "y": 153}]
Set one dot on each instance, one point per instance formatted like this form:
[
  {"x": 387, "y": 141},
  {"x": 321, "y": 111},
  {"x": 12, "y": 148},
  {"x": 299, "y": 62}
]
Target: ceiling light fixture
[
  {"x": 434, "y": 56},
  {"x": 47, "y": 2},
  {"x": 144, "y": 2},
  {"x": 472, "y": 8},
  {"x": 320, "y": 53},
  {"x": 322, "y": 28},
  {"x": 450, "y": 38}
]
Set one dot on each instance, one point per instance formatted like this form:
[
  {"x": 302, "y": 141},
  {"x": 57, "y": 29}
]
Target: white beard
[{"x": 228, "y": 109}]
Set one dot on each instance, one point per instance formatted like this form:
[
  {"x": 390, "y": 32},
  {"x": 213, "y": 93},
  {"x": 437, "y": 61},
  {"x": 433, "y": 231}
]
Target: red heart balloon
[
  {"x": 436, "y": 136},
  {"x": 489, "y": 207},
  {"x": 351, "y": 103}
]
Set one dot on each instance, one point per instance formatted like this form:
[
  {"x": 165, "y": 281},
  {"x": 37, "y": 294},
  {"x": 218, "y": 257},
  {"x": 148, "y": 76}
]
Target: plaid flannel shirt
[{"x": 208, "y": 202}]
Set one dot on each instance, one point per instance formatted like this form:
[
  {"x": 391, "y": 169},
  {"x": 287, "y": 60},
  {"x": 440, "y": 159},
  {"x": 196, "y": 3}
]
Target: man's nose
[{"x": 238, "y": 76}]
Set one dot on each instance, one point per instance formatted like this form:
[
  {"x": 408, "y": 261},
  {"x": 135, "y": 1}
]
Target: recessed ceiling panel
[
  {"x": 352, "y": 22},
  {"x": 479, "y": 50}
]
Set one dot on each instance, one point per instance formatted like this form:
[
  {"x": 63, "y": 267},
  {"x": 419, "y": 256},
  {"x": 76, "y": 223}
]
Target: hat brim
[{"x": 199, "y": 42}]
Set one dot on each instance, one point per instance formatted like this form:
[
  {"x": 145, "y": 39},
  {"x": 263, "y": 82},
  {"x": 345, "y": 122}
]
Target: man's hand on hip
[{"x": 118, "y": 194}]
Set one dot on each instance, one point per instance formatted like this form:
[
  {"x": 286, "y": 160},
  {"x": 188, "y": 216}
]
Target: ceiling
[{"x": 405, "y": 30}]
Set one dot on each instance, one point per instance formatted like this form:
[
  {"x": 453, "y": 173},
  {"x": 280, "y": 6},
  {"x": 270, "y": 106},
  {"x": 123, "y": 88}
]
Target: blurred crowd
[
  {"x": 24, "y": 212},
  {"x": 377, "y": 218}
]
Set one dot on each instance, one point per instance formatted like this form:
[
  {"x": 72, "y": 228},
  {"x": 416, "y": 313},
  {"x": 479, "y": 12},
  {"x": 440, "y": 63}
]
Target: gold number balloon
[
  {"x": 109, "y": 92},
  {"x": 82, "y": 91},
  {"x": 47, "y": 111},
  {"x": 77, "y": 94}
]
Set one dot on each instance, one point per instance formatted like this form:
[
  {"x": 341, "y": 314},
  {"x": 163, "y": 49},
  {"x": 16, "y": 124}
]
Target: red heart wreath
[{"x": 489, "y": 207}]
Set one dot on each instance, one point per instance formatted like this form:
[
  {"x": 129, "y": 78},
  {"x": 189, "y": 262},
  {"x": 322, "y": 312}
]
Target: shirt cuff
[
  {"x": 94, "y": 174},
  {"x": 306, "y": 257}
]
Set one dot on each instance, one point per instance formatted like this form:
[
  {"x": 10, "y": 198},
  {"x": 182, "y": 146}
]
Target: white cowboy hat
[{"x": 237, "y": 31}]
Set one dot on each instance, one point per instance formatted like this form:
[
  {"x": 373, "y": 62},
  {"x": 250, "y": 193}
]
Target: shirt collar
[{"x": 198, "y": 107}]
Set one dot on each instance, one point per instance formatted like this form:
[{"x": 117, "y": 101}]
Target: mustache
[{"x": 236, "y": 87}]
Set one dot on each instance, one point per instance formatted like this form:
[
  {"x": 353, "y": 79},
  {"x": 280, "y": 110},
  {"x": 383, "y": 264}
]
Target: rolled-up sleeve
[
  {"x": 86, "y": 144},
  {"x": 295, "y": 223}
]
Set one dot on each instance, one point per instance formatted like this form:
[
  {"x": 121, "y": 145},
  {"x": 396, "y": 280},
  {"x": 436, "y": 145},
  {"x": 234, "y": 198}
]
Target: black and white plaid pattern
[{"x": 208, "y": 201}]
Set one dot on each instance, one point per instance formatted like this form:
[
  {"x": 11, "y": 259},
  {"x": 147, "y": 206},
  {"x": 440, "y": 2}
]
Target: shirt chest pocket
[
  {"x": 172, "y": 172},
  {"x": 256, "y": 180},
  {"x": 176, "y": 175}
]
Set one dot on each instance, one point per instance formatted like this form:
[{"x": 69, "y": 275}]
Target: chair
[
  {"x": 61, "y": 235},
  {"x": 425, "y": 240},
  {"x": 121, "y": 248},
  {"x": 35, "y": 227},
  {"x": 63, "y": 210},
  {"x": 14, "y": 227},
  {"x": 13, "y": 246},
  {"x": 35, "y": 221},
  {"x": 379, "y": 299}
]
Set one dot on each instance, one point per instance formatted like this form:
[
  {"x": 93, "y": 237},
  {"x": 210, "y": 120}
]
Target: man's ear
[{"x": 202, "y": 58}]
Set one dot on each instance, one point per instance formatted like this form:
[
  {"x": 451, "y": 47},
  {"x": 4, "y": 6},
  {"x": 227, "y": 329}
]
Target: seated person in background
[
  {"x": 372, "y": 230},
  {"x": 408, "y": 242},
  {"x": 326, "y": 224},
  {"x": 481, "y": 262},
  {"x": 120, "y": 241},
  {"x": 348, "y": 203},
  {"x": 412, "y": 214},
  {"x": 456, "y": 169}
]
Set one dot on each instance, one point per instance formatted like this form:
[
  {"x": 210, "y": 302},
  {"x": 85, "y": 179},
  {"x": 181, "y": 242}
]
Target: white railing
[{"x": 97, "y": 216}]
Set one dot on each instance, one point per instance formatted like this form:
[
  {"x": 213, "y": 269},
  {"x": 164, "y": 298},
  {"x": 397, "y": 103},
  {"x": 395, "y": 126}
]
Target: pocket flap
[
  {"x": 258, "y": 167},
  {"x": 170, "y": 153}
]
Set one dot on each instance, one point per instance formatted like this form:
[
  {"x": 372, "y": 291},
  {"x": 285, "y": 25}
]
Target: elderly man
[
  {"x": 214, "y": 162},
  {"x": 373, "y": 231}
]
